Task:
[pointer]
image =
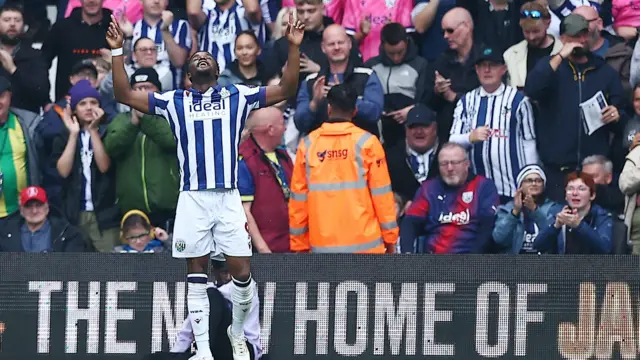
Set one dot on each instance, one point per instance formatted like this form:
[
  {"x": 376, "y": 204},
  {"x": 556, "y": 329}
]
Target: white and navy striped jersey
[
  {"x": 207, "y": 127},
  {"x": 512, "y": 140},
  {"x": 181, "y": 32},
  {"x": 218, "y": 34}
]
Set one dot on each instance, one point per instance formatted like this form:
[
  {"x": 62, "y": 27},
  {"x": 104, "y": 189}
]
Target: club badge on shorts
[{"x": 180, "y": 245}]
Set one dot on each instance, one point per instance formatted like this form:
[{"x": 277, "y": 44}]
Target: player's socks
[
  {"x": 198, "y": 305},
  {"x": 241, "y": 298}
]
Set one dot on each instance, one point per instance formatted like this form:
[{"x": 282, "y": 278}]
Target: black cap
[
  {"x": 489, "y": 54},
  {"x": 420, "y": 115},
  {"x": 573, "y": 25},
  {"x": 5, "y": 84},
  {"x": 146, "y": 75},
  {"x": 85, "y": 64}
]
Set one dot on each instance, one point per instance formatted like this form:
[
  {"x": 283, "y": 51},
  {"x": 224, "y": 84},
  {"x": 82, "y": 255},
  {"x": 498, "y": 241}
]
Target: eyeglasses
[
  {"x": 451, "y": 30},
  {"x": 533, "y": 181},
  {"x": 571, "y": 189},
  {"x": 137, "y": 237},
  {"x": 530, "y": 14},
  {"x": 445, "y": 164},
  {"x": 148, "y": 49}
]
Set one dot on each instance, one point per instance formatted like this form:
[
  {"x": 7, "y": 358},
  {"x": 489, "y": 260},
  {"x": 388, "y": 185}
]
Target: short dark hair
[
  {"x": 12, "y": 6},
  {"x": 342, "y": 97},
  {"x": 393, "y": 33},
  {"x": 135, "y": 44},
  {"x": 250, "y": 34}
]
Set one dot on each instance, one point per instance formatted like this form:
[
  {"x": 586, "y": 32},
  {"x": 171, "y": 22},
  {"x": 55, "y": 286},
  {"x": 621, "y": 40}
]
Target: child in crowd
[{"x": 138, "y": 236}]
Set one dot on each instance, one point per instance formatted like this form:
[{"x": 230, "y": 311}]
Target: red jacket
[{"x": 269, "y": 206}]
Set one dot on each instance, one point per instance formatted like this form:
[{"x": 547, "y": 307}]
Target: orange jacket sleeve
[
  {"x": 379, "y": 184},
  {"x": 298, "y": 204}
]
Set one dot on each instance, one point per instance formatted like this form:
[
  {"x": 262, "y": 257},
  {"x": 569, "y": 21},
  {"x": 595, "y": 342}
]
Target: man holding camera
[{"x": 560, "y": 84}]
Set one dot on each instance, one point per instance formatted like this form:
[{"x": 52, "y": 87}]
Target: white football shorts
[{"x": 210, "y": 222}]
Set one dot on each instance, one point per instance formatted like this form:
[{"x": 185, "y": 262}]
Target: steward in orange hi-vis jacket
[{"x": 341, "y": 199}]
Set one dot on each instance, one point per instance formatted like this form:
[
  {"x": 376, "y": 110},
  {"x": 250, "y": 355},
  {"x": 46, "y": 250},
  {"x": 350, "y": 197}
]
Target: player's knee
[{"x": 243, "y": 275}]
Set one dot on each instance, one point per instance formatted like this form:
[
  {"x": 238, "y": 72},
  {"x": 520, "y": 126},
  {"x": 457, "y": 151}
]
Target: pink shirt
[
  {"x": 626, "y": 13},
  {"x": 132, "y": 8},
  {"x": 379, "y": 12}
]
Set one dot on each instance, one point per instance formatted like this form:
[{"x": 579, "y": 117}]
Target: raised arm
[
  {"x": 138, "y": 100},
  {"x": 289, "y": 81}
]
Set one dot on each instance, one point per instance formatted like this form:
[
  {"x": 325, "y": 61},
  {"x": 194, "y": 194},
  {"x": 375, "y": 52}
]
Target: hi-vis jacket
[{"x": 341, "y": 199}]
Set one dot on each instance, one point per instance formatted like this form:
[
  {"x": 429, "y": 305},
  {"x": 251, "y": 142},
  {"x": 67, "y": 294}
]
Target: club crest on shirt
[
  {"x": 467, "y": 197},
  {"x": 506, "y": 112},
  {"x": 224, "y": 93}
]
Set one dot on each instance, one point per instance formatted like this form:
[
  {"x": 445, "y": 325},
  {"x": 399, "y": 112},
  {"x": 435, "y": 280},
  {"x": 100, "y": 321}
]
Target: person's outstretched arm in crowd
[
  {"x": 298, "y": 203},
  {"x": 379, "y": 184}
]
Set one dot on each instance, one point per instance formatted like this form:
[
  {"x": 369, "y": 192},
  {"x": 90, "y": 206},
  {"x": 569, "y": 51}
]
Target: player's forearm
[
  {"x": 65, "y": 162},
  {"x": 121, "y": 87},
  {"x": 289, "y": 81}
]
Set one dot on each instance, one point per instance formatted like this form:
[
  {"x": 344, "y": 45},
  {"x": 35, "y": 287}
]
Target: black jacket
[
  {"x": 403, "y": 180},
  {"x": 463, "y": 79},
  {"x": 72, "y": 40},
  {"x": 30, "y": 81},
  {"x": 495, "y": 29},
  {"x": 64, "y": 236},
  {"x": 103, "y": 187}
]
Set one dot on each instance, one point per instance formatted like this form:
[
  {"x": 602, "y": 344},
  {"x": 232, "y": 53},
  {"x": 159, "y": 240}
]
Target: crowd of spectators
[{"x": 497, "y": 126}]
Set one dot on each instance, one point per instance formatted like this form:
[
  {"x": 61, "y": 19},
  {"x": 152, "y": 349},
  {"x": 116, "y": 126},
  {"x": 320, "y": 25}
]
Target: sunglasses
[
  {"x": 531, "y": 14},
  {"x": 137, "y": 237},
  {"x": 450, "y": 30}
]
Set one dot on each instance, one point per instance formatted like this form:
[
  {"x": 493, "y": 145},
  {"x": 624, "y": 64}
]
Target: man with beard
[
  {"x": 559, "y": 84},
  {"x": 538, "y": 43},
  {"x": 455, "y": 211},
  {"x": 76, "y": 38},
  {"x": 20, "y": 63}
]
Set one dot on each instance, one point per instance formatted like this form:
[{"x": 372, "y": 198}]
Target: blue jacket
[
  {"x": 597, "y": 233},
  {"x": 509, "y": 230},
  {"x": 455, "y": 220},
  {"x": 558, "y": 95}
]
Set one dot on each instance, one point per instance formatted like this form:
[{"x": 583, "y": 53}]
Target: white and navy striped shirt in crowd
[
  {"x": 512, "y": 140},
  {"x": 181, "y": 32},
  {"x": 218, "y": 34},
  {"x": 207, "y": 127}
]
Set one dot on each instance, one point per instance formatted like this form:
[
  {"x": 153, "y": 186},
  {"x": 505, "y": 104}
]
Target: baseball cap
[
  {"x": 33, "y": 193},
  {"x": 85, "y": 64},
  {"x": 420, "y": 115},
  {"x": 5, "y": 84},
  {"x": 573, "y": 25},
  {"x": 146, "y": 75},
  {"x": 490, "y": 54}
]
